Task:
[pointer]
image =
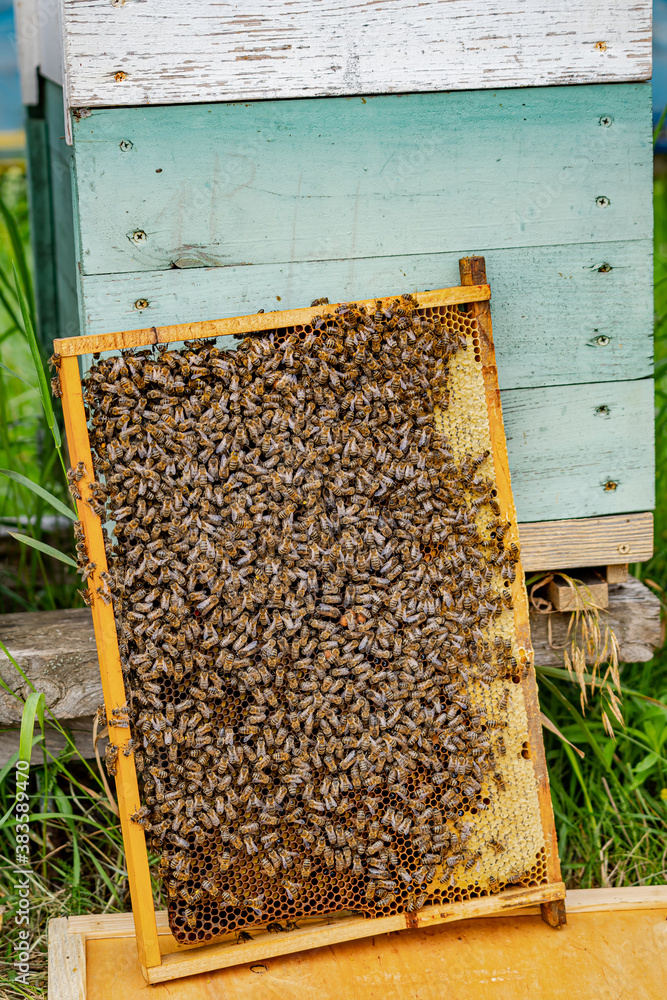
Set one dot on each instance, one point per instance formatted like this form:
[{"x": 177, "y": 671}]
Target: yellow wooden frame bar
[{"x": 474, "y": 290}]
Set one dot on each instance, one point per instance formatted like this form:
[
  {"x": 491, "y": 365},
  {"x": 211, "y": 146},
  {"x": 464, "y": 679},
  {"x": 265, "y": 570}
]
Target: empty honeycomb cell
[{"x": 310, "y": 572}]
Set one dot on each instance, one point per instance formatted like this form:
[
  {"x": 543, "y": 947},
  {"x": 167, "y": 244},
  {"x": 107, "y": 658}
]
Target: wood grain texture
[
  {"x": 199, "y": 50},
  {"x": 278, "y": 181},
  {"x": 570, "y": 458},
  {"x": 606, "y": 954},
  {"x": 67, "y": 962},
  {"x": 586, "y": 541},
  {"x": 56, "y": 651},
  {"x": 551, "y": 342}
]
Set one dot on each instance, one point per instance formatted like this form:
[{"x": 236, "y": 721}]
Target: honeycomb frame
[{"x": 475, "y": 367}]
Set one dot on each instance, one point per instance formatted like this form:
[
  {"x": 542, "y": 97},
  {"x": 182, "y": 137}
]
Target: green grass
[
  {"x": 610, "y": 806},
  {"x": 30, "y": 580}
]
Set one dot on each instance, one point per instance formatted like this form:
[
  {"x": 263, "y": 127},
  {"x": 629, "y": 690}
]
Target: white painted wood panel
[{"x": 169, "y": 52}]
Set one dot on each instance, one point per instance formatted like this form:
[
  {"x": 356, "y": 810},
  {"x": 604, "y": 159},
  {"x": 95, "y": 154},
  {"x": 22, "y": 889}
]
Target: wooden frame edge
[
  {"x": 640, "y": 897},
  {"x": 240, "y": 325},
  {"x": 160, "y": 968},
  {"x": 111, "y": 674},
  {"x": 223, "y": 955},
  {"x": 473, "y": 272}
]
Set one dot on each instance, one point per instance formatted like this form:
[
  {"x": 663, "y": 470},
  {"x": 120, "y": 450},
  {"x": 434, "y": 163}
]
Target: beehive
[{"x": 338, "y": 492}]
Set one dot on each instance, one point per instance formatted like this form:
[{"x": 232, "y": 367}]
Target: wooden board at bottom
[{"x": 606, "y": 951}]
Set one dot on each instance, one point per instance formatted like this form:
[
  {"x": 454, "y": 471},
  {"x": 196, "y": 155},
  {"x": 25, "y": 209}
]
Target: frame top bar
[{"x": 147, "y": 337}]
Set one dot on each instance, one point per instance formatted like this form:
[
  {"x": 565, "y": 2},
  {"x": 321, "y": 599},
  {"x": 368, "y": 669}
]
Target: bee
[
  {"x": 291, "y": 889},
  {"x": 111, "y": 758},
  {"x": 499, "y": 780}
]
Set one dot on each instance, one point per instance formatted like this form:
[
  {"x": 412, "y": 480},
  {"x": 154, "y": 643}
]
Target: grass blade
[
  {"x": 43, "y": 547},
  {"x": 40, "y": 491},
  {"x": 66, "y": 809},
  {"x": 16, "y": 375},
  {"x": 43, "y": 386},
  {"x": 20, "y": 259},
  {"x": 35, "y": 704}
]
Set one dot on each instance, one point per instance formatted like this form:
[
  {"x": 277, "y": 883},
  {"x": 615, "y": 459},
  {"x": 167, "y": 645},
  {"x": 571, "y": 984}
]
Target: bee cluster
[{"x": 305, "y": 581}]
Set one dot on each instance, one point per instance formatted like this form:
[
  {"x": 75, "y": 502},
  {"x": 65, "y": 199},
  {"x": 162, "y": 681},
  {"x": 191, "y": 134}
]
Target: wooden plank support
[
  {"x": 588, "y": 589},
  {"x": 590, "y": 541},
  {"x": 335, "y": 179}
]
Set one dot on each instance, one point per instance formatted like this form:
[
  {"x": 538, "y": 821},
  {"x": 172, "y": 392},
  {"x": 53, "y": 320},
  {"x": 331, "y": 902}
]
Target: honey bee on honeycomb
[{"x": 309, "y": 583}]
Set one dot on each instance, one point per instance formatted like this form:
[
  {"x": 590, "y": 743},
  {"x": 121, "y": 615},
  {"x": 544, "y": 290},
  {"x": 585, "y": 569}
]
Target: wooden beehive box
[{"x": 182, "y": 186}]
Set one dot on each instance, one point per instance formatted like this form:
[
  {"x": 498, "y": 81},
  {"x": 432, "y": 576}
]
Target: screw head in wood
[
  {"x": 141, "y": 304},
  {"x": 139, "y": 236},
  {"x": 602, "y": 201},
  {"x": 125, "y": 145},
  {"x": 610, "y": 486},
  {"x": 602, "y": 411},
  {"x": 602, "y": 340},
  {"x": 623, "y": 548},
  {"x": 604, "y": 268},
  {"x": 605, "y": 120}
]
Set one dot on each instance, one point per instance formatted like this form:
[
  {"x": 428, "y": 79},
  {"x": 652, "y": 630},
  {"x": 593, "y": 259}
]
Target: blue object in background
[
  {"x": 660, "y": 69},
  {"x": 11, "y": 111}
]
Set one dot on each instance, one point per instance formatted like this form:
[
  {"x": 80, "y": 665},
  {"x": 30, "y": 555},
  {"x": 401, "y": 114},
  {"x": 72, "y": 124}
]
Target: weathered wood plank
[
  {"x": 586, "y": 541},
  {"x": 57, "y": 652},
  {"x": 277, "y": 181},
  {"x": 580, "y": 450},
  {"x": 166, "y": 53},
  {"x": 48, "y": 646},
  {"x": 548, "y": 338},
  {"x": 633, "y": 614},
  {"x": 67, "y": 962}
]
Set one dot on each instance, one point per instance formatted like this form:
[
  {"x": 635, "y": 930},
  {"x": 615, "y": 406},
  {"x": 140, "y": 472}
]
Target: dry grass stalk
[{"x": 589, "y": 638}]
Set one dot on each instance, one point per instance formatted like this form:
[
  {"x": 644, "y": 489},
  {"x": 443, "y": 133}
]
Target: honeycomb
[{"x": 312, "y": 590}]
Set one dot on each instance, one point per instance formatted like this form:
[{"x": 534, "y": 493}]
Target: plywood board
[
  {"x": 166, "y": 53},
  {"x": 318, "y": 180},
  {"x": 614, "y": 945}
]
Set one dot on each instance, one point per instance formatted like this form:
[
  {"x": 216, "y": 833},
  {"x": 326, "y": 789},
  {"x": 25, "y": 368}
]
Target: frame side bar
[
  {"x": 113, "y": 686},
  {"x": 241, "y": 325},
  {"x": 473, "y": 271}
]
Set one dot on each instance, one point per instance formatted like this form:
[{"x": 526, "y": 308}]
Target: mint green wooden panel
[
  {"x": 550, "y": 304},
  {"x": 565, "y": 443},
  {"x": 60, "y": 173},
  {"x": 328, "y": 179}
]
